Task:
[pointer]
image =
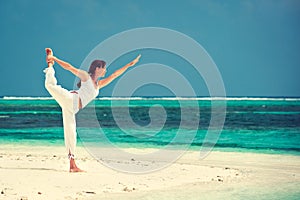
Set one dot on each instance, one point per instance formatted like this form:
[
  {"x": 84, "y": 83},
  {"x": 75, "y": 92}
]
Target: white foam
[
  {"x": 27, "y": 98},
  {"x": 261, "y": 99},
  {"x": 203, "y": 98}
]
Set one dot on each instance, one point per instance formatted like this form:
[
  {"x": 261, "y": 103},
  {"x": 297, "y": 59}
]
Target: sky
[{"x": 254, "y": 44}]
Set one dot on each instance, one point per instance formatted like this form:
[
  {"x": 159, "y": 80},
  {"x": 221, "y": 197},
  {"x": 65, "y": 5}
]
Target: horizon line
[{"x": 163, "y": 98}]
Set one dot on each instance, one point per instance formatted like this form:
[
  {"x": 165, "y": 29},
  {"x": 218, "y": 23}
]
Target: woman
[{"x": 72, "y": 101}]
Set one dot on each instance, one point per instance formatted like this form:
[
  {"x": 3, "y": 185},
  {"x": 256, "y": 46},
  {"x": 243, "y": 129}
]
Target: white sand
[{"x": 42, "y": 173}]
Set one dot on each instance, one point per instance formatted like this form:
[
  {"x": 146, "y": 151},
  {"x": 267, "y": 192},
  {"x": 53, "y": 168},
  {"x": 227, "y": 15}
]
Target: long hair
[{"x": 95, "y": 64}]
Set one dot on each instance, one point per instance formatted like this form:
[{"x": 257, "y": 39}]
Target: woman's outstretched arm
[
  {"x": 83, "y": 75},
  {"x": 104, "y": 82}
]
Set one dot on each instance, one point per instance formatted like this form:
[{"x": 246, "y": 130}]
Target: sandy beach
[{"x": 41, "y": 172}]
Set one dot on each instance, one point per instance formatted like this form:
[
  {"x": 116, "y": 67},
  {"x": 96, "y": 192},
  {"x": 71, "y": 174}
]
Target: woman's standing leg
[{"x": 70, "y": 135}]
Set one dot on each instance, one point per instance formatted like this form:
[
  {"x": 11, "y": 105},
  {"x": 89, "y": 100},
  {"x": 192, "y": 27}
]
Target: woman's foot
[
  {"x": 74, "y": 170},
  {"x": 49, "y": 53},
  {"x": 73, "y": 166}
]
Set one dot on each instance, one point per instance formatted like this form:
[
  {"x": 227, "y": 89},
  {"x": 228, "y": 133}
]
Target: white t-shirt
[{"x": 87, "y": 92}]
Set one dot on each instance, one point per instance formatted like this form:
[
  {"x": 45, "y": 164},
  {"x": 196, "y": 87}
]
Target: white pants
[{"x": 69, "y": 104}]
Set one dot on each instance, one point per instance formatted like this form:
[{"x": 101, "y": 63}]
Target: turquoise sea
[{"x": 262, "y": 125}]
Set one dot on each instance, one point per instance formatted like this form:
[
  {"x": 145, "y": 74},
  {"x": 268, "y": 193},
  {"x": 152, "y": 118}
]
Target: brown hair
[{"x": 94, "y": 65}]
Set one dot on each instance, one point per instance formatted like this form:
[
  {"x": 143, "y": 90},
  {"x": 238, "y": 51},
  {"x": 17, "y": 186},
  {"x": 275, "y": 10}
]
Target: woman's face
[{"x": 101, "y": 71}]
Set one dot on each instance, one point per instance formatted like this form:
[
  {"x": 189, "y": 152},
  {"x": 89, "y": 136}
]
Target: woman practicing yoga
[{"x": 72, "y": 101}]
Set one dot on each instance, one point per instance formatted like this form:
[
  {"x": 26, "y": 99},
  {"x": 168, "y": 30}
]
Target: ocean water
[{"x": 262, "y": 125}]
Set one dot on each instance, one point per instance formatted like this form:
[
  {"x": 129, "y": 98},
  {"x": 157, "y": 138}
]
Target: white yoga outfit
[
  {"x": 69, "y": 103},
  {"x": 87, "y": 92}
]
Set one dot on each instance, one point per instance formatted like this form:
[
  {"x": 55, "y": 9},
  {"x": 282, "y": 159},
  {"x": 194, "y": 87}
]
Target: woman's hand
[
  {"x": 50, "y": 58},
  {"x": 132, "y": 63}
]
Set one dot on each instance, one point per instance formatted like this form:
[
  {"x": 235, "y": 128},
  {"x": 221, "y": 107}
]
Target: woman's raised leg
[{"x": 63, "y": 97}]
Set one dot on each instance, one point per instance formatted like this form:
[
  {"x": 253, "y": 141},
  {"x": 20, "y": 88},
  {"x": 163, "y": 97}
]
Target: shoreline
[
  {"x": 41, "y": 172},
  {"x": 60, "y": 143}
]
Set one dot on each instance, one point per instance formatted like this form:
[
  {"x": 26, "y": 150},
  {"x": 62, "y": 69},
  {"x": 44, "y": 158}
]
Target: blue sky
[{"x": 255, "y": 44}]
